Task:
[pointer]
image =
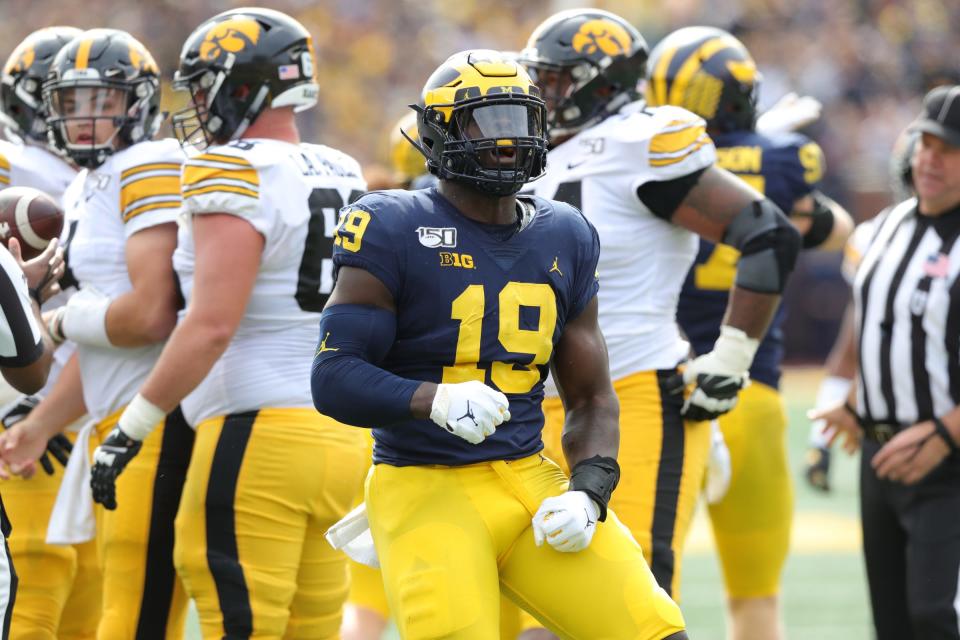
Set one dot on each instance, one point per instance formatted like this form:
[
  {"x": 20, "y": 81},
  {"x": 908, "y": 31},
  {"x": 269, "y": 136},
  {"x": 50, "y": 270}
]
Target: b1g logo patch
[
  {"x": 459, "y": 260},
  {"x": 436, "y": 237}
]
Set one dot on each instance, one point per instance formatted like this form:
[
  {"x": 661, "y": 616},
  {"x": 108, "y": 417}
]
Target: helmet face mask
[
  {"x": 21, "y": 99},
  {"x": 102, "y": 95},
  {"x": 237, "y": 64},
  {"x": 481, "y": 124},
  {"x": 587, "y": 63},
  {"x": 89, "y": 117}
]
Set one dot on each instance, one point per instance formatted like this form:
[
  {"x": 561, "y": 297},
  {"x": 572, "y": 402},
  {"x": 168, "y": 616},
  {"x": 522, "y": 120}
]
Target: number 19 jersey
[
  {"x": 291, "y": 195},
  {"x": 474, "y": 302}
]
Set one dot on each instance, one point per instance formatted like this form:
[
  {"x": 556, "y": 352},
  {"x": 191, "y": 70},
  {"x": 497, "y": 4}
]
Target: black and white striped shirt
[
  {"x": 907, "y": 295},
  {"x": 21, "y": 342}
]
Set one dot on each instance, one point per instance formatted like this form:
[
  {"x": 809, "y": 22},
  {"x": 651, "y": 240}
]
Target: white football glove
[
  {"x": 718, "y": 467},
  {"x": 719, "y": 375},
  {"x": 790, "y": 113},
  {"x": 469, "y": 410},
  {"x": 567, "y": 522}
]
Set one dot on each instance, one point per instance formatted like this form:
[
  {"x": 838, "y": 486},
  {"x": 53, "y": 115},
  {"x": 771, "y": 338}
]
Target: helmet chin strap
[{"x": 252, "y": 111}]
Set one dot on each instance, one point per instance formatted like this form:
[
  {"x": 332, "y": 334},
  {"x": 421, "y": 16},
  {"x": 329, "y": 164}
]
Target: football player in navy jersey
[
  {"x": 752, "y": 521},
  {"x": 450, "y": 305}
]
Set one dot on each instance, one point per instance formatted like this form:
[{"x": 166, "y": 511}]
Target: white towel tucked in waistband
[{"x": 72, "y": 520}]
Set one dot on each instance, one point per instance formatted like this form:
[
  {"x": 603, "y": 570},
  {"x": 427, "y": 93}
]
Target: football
[{"x": 30, "y": 216}]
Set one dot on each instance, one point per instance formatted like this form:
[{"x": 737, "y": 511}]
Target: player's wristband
[
  {"x": 597, "y": 477},
  {"x": 140, "y": 418},
  {"x": 941, "y": 430},
  {"x": 55, "y": 325},
  {"x": 85, "y": 318}
]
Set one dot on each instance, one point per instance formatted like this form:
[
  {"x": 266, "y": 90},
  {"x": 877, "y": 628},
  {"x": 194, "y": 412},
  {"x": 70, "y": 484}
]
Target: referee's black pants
[{"x": 911, "y": 544}]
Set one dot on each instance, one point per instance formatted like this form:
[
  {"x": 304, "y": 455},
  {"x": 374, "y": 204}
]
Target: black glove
[
  {"x": 59, "y": 446},
  {"x": 109, "y": 460},
  {"x": 816, "y": 468},
  {"x": 712, "y": 396}
]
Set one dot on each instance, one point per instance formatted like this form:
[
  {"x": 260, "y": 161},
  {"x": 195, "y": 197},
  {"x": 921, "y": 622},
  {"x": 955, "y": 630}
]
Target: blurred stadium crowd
[{"x": 868, "y": 61}]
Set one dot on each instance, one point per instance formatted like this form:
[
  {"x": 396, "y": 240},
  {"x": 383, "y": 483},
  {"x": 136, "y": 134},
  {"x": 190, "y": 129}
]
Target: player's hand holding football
[
  {"x": 43, "y": 272},
  {"x": 469, "y": 410},
  {"x": 566, "y": 522},
  {"x": 719, "y": 376},
  {"x": 109, "y": 460}
]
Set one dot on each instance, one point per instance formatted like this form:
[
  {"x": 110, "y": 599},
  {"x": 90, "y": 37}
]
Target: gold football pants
[
  {"x": 662, "y": 462},
  {"x": 450, "y": 539},
  {"x": 751, "y": 524},
  {"x": 262, "y": 489},
  {"x": 58, "y": 595},
  {"x": 142, "y": 596}
]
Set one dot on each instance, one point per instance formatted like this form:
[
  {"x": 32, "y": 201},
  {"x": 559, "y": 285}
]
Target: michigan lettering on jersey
[
  {"x": 220, "y": 173},
  {"x": 148, "y": 187}
]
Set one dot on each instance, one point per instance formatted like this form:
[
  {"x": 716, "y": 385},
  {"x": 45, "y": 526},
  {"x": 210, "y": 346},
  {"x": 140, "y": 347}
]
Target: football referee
[
  {"x": 907, "y": 296},
  {"x": 26, "y": 353}
]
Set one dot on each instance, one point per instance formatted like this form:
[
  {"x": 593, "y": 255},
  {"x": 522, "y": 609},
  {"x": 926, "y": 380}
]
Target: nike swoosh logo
[{"x": 574, "y": 165}]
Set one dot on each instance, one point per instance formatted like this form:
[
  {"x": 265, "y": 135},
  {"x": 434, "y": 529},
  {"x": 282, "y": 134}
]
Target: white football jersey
[
  {"x": 134, "y": 189},
  {"x": 33, "y": 166},
  {"x": 291, "y": 194},
  {"x": 643, "y": 259}
]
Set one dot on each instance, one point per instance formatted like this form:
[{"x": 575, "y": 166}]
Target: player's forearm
[
  {"x": 592, "y": 428},
  {"x": 63, "y": 404},
  {"x": 347, "y": 384},
  {"x": 751, "y": 312},
  {"x": 141, "y": 318},
  {"x": 31, "y": 378},
  {"x": 842, "y": 361},
  {"x": 194, "y": 347}
]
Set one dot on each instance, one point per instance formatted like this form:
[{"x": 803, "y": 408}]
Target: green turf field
[{"x": 824, "y": 592}]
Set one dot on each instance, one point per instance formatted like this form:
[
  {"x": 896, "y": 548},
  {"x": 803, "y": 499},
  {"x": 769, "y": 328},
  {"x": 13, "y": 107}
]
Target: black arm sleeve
[
  {"x": 663, "y": 198},
  {"x": 821, "y": 223}
]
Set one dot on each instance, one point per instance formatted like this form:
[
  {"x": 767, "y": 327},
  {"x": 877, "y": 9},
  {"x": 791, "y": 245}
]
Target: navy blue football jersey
[
  {"x": 474, "y": 302},
  {"x": 784, "y": 168}
]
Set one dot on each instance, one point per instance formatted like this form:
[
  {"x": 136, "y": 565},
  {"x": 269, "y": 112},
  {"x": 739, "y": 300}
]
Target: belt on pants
[{"x": 880, "y": 432}]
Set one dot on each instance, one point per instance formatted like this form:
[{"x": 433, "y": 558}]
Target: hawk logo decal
[
  {"x": 601, "y": 35},
  {"x": 229, "y": 36}
]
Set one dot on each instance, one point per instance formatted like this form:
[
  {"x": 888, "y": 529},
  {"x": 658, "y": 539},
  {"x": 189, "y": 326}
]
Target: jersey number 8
[{"x": 313, "y": 288}]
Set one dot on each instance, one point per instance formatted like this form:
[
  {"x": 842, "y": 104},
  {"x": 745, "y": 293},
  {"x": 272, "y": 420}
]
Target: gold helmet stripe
[
  {"x": 691, "y": 66},
  {"x": 658, "y": 81},
  {"x": 83, "y": 53}
]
